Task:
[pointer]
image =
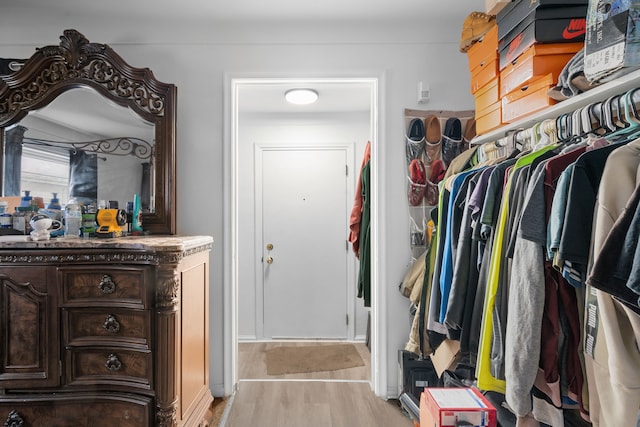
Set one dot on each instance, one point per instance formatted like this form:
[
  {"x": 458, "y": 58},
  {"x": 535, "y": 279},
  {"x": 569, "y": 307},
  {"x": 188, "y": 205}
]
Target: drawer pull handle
[
  {"x": 14, "y": 420},
  {"x": 111, "y": 324},
  {"x": 107, "y": 285},
  {"x": 113, "y": 363}
]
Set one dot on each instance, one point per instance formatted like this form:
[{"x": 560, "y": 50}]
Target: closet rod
[{"x": 600, "y": 93}]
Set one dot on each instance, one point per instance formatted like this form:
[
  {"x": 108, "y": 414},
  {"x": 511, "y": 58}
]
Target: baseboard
[
  {"x": 217, "y": 390},
  {"x": 247, "y": 338}
]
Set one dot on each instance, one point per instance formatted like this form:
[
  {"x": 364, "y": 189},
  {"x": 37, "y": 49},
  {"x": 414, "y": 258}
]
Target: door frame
[
  {"x": 259, "y": 148},
  {"x": 378, "y": 331}
]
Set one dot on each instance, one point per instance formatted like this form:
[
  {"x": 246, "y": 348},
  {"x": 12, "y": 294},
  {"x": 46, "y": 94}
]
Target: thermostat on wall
[{"x": 423, "y": 93}]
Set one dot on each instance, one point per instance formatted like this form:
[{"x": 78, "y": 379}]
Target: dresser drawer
[
  {"x": 103, "y": 286},
  {"x": 109, "y": 366},
  {"x": 97, "y": 410},
  {"x": 114, "y": 326}
]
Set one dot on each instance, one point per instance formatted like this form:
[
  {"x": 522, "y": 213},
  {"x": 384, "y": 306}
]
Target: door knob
[{"x": 269, "y": 260}]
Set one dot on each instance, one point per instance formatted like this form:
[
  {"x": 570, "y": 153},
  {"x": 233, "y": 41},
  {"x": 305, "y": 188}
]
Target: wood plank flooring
[
  {"x": 327, "y": 399},
  {"x": 312, "y": 404}
]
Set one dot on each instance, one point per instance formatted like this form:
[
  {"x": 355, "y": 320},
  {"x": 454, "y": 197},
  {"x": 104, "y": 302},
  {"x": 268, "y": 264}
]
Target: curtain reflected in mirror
[
  {"x": 13, "y": 160},
  {"x": 83, "y": 177}
]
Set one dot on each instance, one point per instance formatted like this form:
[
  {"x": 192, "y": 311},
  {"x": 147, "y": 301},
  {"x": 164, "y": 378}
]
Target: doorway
[{"x": 244, "y": 117}]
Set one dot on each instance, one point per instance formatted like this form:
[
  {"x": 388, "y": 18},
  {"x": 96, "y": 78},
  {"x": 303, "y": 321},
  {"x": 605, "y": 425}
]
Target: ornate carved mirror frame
[{"x": 76, "y": 63}]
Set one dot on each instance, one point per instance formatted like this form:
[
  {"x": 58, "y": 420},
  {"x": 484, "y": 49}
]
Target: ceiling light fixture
[{"x": 301, "y": 96}]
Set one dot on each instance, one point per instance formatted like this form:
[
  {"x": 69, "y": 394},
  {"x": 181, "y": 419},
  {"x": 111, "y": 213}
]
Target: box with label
[
  {"x": 417, "y": 373},
  {"x": 527, "y": 99},
  {"x": 612, "y": 39},
  {"x": 563, "y": 30},
  {"x": 517, "y": 12},
  {"x": 539, "y": 60},
  {"x": 452, "y": 407}
]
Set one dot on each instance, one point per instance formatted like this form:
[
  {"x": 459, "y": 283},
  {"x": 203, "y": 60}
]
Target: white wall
[
  {"x": 196, "y": 56},
  {"x": 300, "y": 129}
]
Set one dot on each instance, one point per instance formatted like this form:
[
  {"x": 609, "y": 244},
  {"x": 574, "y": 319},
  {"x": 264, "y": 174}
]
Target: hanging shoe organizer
[{"x": 432, "y": 140}]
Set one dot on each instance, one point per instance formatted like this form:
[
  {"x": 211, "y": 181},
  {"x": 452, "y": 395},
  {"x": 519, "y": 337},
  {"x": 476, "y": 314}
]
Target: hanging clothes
[
  {"x": 486, "y": 380},
  {"x": 538, "y": 299},
  {"x": 358, "y": 203},
  {"x": 536, "y": 274},
  {"x": 613, "y": 329},
  {"x": 364, "y": 275}
]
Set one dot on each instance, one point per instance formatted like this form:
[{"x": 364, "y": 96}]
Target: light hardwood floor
[{"x": 327, "y": 399}]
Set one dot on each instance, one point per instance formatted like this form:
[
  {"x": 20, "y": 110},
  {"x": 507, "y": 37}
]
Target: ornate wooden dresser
[{"x": 105, "y": 332}]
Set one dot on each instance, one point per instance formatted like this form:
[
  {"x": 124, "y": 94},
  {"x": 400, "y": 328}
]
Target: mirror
[{"x": 79, "y": 120}]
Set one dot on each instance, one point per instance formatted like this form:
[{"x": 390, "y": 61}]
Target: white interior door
[{"x": 304, "y": 252}]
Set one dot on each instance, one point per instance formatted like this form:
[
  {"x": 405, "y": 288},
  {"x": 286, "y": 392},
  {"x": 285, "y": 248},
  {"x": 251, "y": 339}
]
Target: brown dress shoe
[
  {"x": 433, "y": 136},
  {"x": 474, "y": 27},
  {"x": 432, "y": 129}
]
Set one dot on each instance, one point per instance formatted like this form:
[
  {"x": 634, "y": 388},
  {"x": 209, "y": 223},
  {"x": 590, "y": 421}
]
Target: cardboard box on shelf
[
  {"x": 516, "y": 12},
  {"x": 489, "y": 119},
  {"x": 493, "y": 7},
  {"x": 538, "y": 32},
  {"x": 528, "y": 99},
  {"x": 483, "y": 74},
  {"x": 612, "y": 38},
  {"x": 539, "y": 60},
  {"x": 487, "y": 95},
  {"x": 451, "y": 407},
  {"x": 484, "y": 49}
]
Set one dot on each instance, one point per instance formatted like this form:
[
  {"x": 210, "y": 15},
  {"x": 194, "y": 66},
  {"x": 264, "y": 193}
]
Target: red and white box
[{"x": 449, "y": 407}]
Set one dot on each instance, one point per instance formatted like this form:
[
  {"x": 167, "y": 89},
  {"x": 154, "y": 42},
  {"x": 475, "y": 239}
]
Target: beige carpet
[{"x": 295, "y": 360}]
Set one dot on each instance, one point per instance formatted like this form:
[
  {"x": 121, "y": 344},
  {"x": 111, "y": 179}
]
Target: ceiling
[
  {"x": 333, "y": 97},
  {"x": 259, "y": 10}
]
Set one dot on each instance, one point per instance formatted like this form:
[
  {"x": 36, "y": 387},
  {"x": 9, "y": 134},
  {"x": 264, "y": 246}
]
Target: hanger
[
  {"x": 562, "y": 126},
  {"x": 607, "y": 112},
  {"x": 630, "y": 110},
  {"x": 550, "y": 135},
  {"x": 631, "y": 103},
  {"x": 626, "y": 129},
  {"x": 588, "y": 125}
]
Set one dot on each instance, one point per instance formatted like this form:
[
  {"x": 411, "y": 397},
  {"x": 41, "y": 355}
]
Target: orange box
[
  {"x": 489, "y": 119},
  {"x": 488, "y": 95},
  {"x": 12, "y": 201},
  {"x": 483, "y": 74},
  {"x": 528, "y": 99},
  {"x": 451, "y": 407},
  {"x": 484, "y": 49},
  {"x": 538, "y": 60}
]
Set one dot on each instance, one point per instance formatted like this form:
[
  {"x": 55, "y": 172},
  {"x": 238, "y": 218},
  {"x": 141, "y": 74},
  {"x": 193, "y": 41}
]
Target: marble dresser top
[{"x": 131, "y": 243}]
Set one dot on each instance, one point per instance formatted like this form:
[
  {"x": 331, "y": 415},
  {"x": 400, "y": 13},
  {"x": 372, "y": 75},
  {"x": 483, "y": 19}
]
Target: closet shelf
[{"x": 599, "y": 93}]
